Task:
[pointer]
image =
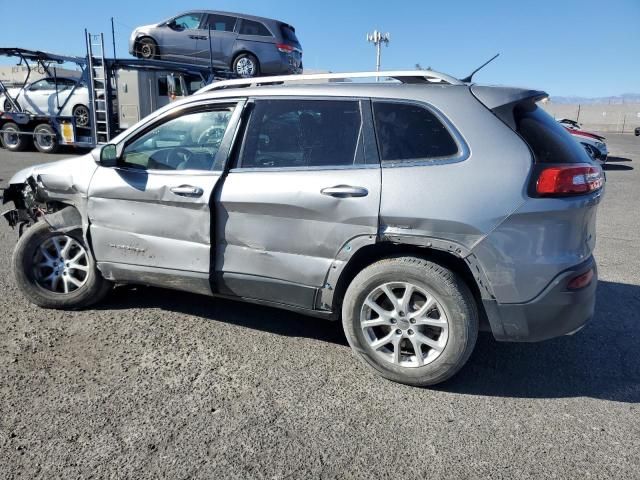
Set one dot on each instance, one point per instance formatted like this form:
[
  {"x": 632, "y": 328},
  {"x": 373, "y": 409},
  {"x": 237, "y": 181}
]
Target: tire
[
  {"x": 45, "y": 138},
  {"x": 451, "y": 314},
  {"x": 29, "y": 277},
  {"x": 81, "y": 115},
  {"x": 146, "y": 48},
  {"x": 11, "y": 138},
  {"x": 246, "y": 65}
]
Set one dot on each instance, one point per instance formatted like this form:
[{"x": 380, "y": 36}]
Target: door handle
[
  {"x": 345, "y": 191},
  {"x": 187, "y": 191}
]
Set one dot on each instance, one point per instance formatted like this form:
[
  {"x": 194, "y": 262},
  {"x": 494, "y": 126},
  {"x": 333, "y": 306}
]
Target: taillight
[
  {"x": 574, "y": 179},
  {"x": 284, "y": 48}
]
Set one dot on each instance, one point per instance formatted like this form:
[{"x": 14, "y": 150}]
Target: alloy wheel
[
  {"x": 404, "y": 324},
  {"x": 245, "y": 67},
  {"x": 81, "y": 115},
  {"x": 61, "y": 264}
]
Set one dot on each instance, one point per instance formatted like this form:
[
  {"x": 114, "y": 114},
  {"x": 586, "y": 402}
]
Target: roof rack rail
[{"x": 404, "y": 76}]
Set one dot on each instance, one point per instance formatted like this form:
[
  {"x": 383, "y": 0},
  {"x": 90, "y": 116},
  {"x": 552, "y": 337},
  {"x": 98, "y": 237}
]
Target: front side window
[
  {"x": 250, "y": 27},
  {"x": 190, "y": 21},
  {"x": 188, "y": 142},
  {"x": 410, "y": 132},
  {"x": 221, "y": 23},
  {"x": 303, "y": 133}
]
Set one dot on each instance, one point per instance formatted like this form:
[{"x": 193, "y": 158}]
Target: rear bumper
[{"x": 555, "y": 312}]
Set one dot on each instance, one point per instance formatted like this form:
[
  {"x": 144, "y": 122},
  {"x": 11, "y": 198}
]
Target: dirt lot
[{"x": 158, "y": 384}]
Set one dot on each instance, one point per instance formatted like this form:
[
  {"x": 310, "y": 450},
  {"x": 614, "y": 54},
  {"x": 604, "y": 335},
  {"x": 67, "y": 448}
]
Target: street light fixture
[{"x": 378, "y": 38}]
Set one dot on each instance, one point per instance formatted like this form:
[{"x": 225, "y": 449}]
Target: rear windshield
[
  {"x": 289, "y": 34},
  {"x": 549, "y": 140}
]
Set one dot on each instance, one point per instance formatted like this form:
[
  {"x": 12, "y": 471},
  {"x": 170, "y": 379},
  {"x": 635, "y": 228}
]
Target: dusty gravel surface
[{"x": 157, "y": 384}]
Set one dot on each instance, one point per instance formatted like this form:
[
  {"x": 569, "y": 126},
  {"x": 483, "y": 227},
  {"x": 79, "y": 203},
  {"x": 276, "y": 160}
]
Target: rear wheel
[
  {"x": 45, "y": 138},
  {"x": 11, "y": 137},
  {"x": 246, "y": 66},
  {"x": 411, "y": 320},
  {"x": 81, "y": 115},
  {"x": 147, "y": 48},
  {"x": 56, "y": 270}
]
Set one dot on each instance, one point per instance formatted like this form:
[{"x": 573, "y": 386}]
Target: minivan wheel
[
  {"x": 11, "y": 137},
  {"x": 147, "y": 48},
  {"x": 246, "y": 66},
  {"x": 45, "y": 138},
  {"x": 56, "y": 270},
  {"x": 411, "y": 320}
]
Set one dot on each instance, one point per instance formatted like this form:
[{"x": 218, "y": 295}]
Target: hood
[{"x": 76, "y": 171}]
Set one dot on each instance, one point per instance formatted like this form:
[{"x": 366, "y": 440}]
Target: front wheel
[
  {"x": 147, "y": 49},
  {"x": 411, "y": 320},
  {"x": 56, "y": 270}
]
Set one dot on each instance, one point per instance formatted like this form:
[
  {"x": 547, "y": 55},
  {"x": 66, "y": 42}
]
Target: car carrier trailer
[{"x": 121, "y": 92}]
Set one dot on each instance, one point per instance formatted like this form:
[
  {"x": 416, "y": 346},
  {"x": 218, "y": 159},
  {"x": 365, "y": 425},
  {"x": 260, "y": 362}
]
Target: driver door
[{"x": 150, "y": 214}]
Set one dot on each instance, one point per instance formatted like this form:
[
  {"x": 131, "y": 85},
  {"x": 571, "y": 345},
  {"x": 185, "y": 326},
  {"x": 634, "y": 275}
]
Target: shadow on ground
[
  {"x": 601, "y": 361},
  {"x": 618, "y": 159}
]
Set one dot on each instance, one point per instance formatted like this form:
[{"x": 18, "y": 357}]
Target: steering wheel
[
  {"x": 211, "y": 136},
  {"x": 178, "y": 156}
]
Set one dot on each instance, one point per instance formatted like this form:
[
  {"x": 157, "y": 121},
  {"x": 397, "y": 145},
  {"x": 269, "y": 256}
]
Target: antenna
[
  {"x": 378, "y": 39},
  {"x": 469, "y": 77}
]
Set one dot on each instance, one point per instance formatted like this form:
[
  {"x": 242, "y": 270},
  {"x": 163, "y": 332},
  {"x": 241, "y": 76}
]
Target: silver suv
[
  {"x": 248, "y": 45},
  {"x": 417, "y": 212}
]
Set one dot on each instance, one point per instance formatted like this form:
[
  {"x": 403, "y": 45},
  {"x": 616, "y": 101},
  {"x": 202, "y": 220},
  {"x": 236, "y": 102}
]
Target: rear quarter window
[
  {"x": 249, "y": 27},
  {"x": 408, "y": 132},
  {"x": 548, "y": 140}
]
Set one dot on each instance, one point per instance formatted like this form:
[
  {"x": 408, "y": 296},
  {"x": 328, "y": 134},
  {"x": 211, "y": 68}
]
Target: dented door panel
[
  {"x": 278, "y": 224},
  {"x": 136, "y": 218}
]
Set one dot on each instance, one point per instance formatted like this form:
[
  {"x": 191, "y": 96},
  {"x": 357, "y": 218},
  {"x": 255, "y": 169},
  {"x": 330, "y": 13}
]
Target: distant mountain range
[{"x": 619, "y": 99}]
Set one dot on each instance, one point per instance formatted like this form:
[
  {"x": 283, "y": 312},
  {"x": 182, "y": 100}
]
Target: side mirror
[
  {"x": 172, "y": 25},
  {"x": 107, "y": 155}
]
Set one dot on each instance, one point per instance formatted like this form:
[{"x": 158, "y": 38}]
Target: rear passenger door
[
  {"x": 305, "y": 184},
  {"x": 223, "y": 37}
]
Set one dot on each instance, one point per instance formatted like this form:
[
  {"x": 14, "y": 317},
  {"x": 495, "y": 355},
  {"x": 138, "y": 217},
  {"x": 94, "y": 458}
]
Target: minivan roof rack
[{"x": 404, "y": 76}]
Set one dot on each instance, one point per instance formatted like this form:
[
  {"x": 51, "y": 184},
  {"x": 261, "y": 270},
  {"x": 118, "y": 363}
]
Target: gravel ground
[{"x": 158, "y": 384}]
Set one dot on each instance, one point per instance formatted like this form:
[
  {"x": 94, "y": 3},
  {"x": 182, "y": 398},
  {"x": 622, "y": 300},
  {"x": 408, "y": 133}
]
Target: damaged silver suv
[{"x": 418, "y": 211}]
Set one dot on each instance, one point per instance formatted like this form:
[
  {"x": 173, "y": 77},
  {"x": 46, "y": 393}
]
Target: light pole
[{"x": 378, "y": 38}]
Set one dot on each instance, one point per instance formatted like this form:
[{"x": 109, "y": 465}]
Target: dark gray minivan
[{"x": 249, "y": 45}]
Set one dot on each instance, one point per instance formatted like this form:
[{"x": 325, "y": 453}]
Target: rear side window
[
  {"x": 303, "y": 133},
  {"x": 549, "y": 140},
  {"x": 250, "y": 27},
  {"x": 289, "y": 34},
  {"x": 410, "y": 132},
  {"x": 220, "y": 23}
]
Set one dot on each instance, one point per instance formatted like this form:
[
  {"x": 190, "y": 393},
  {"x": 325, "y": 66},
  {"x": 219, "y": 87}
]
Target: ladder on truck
[{"x": 99, "y": 89}]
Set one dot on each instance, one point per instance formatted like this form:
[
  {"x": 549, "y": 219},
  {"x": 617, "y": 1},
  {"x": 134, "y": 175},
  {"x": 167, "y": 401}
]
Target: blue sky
[{"x": 584, "y": 48}]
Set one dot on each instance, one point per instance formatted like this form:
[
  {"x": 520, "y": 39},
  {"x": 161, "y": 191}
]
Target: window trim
[
  {"x": 371, "y": 157},
  {"x": 463, "y": 149},
  {"x": 202, "y": 106}
]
